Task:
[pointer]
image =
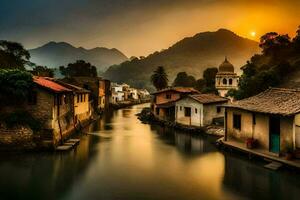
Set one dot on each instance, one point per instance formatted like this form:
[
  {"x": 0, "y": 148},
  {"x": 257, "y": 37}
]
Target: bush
[{"x": 20, "y": 118}]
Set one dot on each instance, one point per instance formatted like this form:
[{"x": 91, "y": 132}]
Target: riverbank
[
  {"x": 124, "y": 104},
  {"x": 146, "y": 117}
]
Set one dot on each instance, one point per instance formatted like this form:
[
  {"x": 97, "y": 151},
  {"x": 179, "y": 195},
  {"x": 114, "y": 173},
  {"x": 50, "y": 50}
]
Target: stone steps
[{"x": 68, "y": 145}]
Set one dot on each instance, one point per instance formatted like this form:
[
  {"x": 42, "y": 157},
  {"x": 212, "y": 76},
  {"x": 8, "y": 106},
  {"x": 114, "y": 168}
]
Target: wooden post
[{"x": 225, "y": 124}]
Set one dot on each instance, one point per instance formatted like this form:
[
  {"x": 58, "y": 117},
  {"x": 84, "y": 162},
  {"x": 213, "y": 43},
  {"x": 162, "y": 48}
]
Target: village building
[
  {"x": 81, "y": 103},
  {"x": 271, "y": 120},
  {"x": 143, "y": 94},
  {"x": 163, "y": 101},
  {"x": 226, "y": 78},
  {"x": 199, "y": 110},
  {"x": 51, "y": 104},
  {"x": 100, "y": 90}
]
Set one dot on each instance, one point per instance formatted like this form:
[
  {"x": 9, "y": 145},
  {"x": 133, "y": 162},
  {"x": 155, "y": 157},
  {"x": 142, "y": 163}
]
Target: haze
[{"x": 140, "y": 27}]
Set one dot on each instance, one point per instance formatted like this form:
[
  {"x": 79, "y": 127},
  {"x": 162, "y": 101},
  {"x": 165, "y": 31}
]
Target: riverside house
[
  {"x": 51, "y": 103},
  {"x": 163, "y": 101},
  {"x": 271, "y": 118},
  {"x": 199, "y": 110},
  {"x": 82, "y": 105}
]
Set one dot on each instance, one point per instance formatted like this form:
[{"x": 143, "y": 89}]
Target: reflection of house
[
  {"x": 163, "y": 104},
  {"x": 271, "y": 117},
  {"x": 82, "y": 106},
  {"x": 226, "y": 79},
  {"x": 51, "y": 103},
  {"x": 199, "y": 109}
]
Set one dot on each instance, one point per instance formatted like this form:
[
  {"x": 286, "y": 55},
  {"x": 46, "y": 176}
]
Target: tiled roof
[
  {"x": 178, "y": 89},
  {"x": 49, "y": 84},
  {"x": 72, "y": 87},
  {"x": 272, "y": 101},
  {"x": 208, "y": 98}
]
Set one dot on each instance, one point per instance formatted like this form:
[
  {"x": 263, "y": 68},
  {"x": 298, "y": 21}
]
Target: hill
[
  {"x": 55, "y": 54},
  {"x": 192, "y": 55}
]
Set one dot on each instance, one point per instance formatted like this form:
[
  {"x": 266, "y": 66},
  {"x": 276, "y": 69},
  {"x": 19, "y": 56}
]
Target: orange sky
[{"x": 140, "y": 27}]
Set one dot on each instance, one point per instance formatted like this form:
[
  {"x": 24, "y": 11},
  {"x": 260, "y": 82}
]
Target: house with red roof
[{"x": 52, "y": 104}]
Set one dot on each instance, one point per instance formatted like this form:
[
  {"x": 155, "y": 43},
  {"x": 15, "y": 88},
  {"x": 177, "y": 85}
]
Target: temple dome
[{"x": 226, "y": 66}]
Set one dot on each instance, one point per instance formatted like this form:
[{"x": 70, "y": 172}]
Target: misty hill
[
  {"x": 55, "y": 54},
  {"x": 192, "y": 55}
]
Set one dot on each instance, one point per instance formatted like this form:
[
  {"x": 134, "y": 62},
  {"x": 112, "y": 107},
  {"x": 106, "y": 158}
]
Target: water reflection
[{"x": 122, "y": 158}]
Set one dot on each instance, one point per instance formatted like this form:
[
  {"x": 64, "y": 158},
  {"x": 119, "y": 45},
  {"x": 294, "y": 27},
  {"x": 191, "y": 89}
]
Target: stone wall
[{"x": 20, "y": 138}]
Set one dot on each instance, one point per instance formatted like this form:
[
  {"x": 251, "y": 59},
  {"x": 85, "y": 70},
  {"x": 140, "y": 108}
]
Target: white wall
[{"x": 196, "y": 119}]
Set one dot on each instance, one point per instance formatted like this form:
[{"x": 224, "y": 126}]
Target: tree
[
  {"x": 209, "y": 76},
  {"x": 13, "y": 55},
  {"x": 14, "y": 86},
  {"x": 79, "y": 68},
  {"x": 43, "y": 71},
  {"x": 183, "y": 80},
  {"x": 159, "y": 78}
]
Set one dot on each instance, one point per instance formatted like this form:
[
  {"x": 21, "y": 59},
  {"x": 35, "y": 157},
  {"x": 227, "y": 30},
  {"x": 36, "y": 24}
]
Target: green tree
[
  {"x": 184, "y": 80},
  {"x": 43, "y": 71},
  {"x": 13, "y": 55},
  {"x": 14, "y": 86},
  {"x": 79, "y": 68},
  {"x": 159, "y": 78}
]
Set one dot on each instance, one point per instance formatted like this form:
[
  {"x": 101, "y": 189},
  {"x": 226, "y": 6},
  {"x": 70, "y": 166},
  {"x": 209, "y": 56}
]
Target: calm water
[{"x": 122, "y": 158}]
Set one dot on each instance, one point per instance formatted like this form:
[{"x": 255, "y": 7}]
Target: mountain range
[
  {"x": 192, "y": 55},
  {"x": 55, "y": 54}
]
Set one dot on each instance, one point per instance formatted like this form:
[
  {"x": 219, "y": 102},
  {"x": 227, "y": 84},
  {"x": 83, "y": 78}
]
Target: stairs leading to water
[{"x": 68, "y": 145}]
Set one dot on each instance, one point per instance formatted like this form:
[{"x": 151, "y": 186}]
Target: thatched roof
[{"x": 279, "y": 101}]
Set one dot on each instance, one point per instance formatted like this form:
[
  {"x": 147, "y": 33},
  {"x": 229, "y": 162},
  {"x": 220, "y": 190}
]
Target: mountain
[
  {"x": 192, "y": 55},
  {"x": 55, "y": 54}
]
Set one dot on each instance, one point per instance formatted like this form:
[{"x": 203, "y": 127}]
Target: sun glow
[{"x": 253, "y": 33}]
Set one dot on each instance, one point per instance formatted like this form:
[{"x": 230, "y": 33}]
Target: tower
[{"x": 226, "y": 78}]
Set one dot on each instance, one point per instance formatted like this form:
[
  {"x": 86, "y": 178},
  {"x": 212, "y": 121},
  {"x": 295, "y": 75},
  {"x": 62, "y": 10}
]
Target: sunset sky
[{"x": 139, "y": 27}]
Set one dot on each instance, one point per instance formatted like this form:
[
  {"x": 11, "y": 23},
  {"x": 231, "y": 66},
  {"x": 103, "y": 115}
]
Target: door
[{"x": 274, "y": 131}]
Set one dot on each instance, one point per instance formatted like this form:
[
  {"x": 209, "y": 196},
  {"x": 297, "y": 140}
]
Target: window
[
  {"x": 187, "y": 111},
  {"x": 237, "y": 121},
  {"x": 32, "y": 98},
  {"x": 180, "y": 108},
  {"x": 78, "y": 98},
  {"x": 230, "y": 81},
  {"x": 196, "y": 110},
  {"x": 168, "y": 96},
  {"x": 253, "y": 119},
  {"x": 218, "y": 109},
  {"x": 225, "y": 81},
  {"x": 84, "y": 97}
]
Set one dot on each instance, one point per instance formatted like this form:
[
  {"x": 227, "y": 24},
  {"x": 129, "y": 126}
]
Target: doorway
[{"x": 274, "y": 132}]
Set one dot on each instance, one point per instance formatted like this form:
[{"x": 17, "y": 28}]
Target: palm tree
[{"x": 159, "y": 78}]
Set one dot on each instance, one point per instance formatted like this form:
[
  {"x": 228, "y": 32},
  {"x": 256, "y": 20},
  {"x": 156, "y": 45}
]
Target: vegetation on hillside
[
  {"x": 191, "y": 55},
  {"x": 280, "y": 57}
]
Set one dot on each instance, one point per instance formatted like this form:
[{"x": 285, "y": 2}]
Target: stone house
[
  {"x": 199, "y": 110},
  {"x": 51, "y": 103},
  {"x": 163, "y": 101},
  {"x": 271, "y": 117}
]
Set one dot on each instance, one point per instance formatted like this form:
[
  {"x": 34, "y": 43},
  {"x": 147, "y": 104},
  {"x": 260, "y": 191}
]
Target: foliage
[
  {"x": 14, "y": 86},
  {"x": 20, "y": 118},
  {"x": 13, "y": 55},
  {"x": 183, "y": 80},
  {"x": 159, "y": 78},
  {"x": 79, "y": 68},
  {"x": 43, "y": 71},
  {"x": 269, "y": 68}
]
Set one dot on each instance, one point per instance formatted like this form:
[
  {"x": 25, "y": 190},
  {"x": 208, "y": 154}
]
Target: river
[{"x": 121, "y": 158}]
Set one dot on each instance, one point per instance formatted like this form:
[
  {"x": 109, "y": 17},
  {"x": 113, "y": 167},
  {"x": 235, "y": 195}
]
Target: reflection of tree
[{"x": 250, "y": 179}]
